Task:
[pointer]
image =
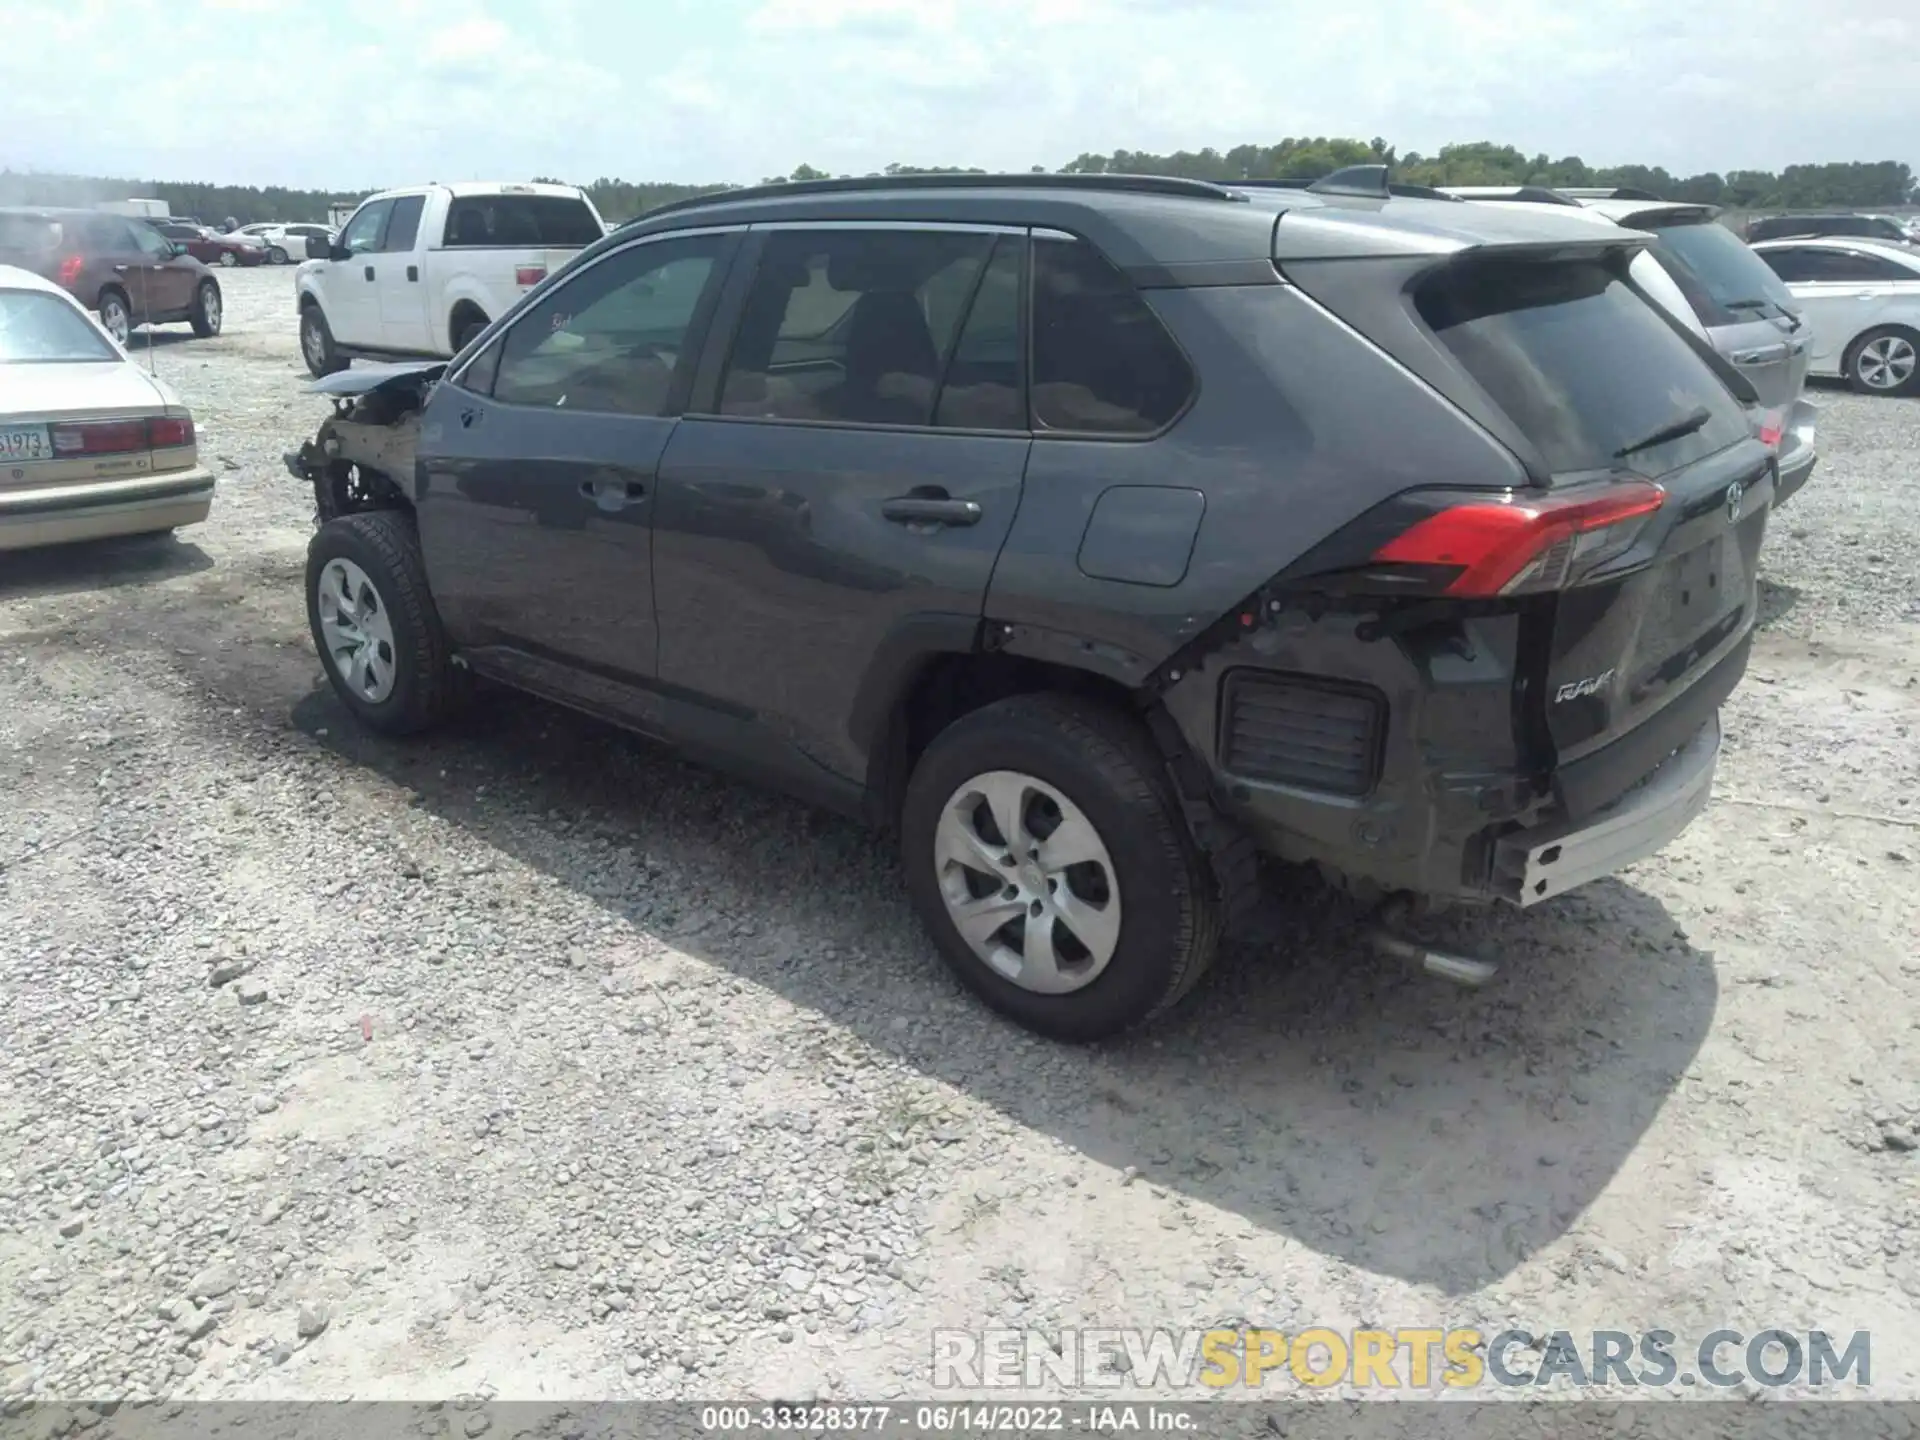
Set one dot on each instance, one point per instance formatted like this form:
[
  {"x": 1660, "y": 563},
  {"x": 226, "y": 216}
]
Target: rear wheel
[
  {"x": 374, "y": 623},
  {"x": 1885, "y": 362},
  {"x": 206, "y": 310},
  {"x": 115, "y": 315},
  {"x": 316, "y": 343},
  {"x": 1048, "y": 860},
  {"x": 467, "y": 330}
]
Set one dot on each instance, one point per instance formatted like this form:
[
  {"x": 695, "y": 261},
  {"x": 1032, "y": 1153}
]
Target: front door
[
  {"x": 538, "y": 495},
  {"x": 854, "y": 471},
  {"x": 159, "y": 282},
  {"x": 351, "y": 300}
]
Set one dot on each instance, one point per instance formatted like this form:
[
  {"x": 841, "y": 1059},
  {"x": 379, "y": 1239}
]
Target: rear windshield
[
  {"x": 1722, "y": 279},
  {"x": 1580, "y": 363},
  {"x": 38, "y": 328},
  {"x": 29, "y": 233},
  {"x": 525, "y": 221}
]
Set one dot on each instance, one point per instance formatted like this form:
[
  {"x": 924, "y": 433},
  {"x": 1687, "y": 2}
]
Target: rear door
[
  {"x": 539, "y": 473},
  {"x": 851, "y": 472},
  {"x": 1594, "y": 379}
]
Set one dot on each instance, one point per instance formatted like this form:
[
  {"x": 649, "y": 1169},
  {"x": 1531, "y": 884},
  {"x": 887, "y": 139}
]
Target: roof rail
[
  {"x": 1610, "y": 192},
  {"x": 1521, "y": 194},
  {"x": 1394, "y": 187},
  {"x": 1132, "y": 184}
]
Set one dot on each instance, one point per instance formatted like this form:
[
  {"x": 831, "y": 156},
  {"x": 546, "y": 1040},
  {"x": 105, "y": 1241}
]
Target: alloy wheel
[
  {"x": 312, "y": 342},
  {"x": 1028, "y": 882},
  {"x": 355, "y": 627},
  {"x": 1886, "y": 363},
  {"x": 210, "y": 307},
  {"x": 113, "y": 315}
]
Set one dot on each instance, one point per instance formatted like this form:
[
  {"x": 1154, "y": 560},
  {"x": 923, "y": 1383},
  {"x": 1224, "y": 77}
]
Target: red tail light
[
  {"x": 118, "y": 437},
  {"x": 1503, "y": 547},
  {"x": 530, "y": 274},
  {"x": 1772, "y": 426},
  {"x": 70, "y": 269}
]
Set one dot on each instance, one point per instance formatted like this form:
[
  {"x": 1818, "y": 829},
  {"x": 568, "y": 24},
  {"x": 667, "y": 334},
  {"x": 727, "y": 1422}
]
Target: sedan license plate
[{"x": 25, "y": 442}]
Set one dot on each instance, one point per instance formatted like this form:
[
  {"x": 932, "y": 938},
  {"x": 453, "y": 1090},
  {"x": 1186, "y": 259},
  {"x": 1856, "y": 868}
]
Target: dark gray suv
[{"x": 1097, "y": 534}]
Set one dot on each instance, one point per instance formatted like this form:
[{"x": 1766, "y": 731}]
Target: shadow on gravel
[
  {"x": 98, "y": 565},
  {"x": 1776, "y": 602},
  {"x": 1400, "y": 1125}
]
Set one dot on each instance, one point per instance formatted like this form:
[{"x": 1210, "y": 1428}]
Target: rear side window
[
  {"x": 1102, "y": 362},
  {"x": 1580, "y": 363},
  {"x": 29, "y": 234},
  {"x": 1850, "y": 266},
  {"x": 852, "y": 326},
  {"x": 520, "y": 221},
  {"x": 1722, "y": 279}
]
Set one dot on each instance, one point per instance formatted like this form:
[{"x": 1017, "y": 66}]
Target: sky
[{"x": 353, "y": 94}]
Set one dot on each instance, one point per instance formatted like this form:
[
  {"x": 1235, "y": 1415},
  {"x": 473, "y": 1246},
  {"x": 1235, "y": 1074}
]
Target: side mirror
[{"x": 337, "y": 251}]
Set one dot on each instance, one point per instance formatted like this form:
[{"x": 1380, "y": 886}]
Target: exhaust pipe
[{"x": 1460, "y": 969}]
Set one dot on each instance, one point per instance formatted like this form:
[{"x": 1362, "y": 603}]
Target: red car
[{"x": 210, "y": 247}]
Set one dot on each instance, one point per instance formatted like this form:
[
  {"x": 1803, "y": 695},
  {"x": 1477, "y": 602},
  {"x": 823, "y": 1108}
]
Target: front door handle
[
  {"x": 1765, "y": 355},
  {"x": 369, "y": 272},
  {"x": 413, "y": 273},
  {"x": 613, "y": 494},
  {"x": 930, "y": 510}
]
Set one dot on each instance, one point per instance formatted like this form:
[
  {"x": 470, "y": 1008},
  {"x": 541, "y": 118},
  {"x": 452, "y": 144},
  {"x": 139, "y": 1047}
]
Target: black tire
[
  {"x": 466, "y": 331},
  {"x": 120, "y": 327},
  {"x": 276, "y": 256},
  {"x": 207, "y": 310},
  {"x": 1106, "y": 764},
  {"x": 384, "y": 545},
  {"x": 1853, "y": 368},
  {"x": 316, "y": 343}
]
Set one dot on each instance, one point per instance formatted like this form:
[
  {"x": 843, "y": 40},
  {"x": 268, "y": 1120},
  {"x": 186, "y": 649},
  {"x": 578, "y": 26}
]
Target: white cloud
[{"x": 387, "y": 91}]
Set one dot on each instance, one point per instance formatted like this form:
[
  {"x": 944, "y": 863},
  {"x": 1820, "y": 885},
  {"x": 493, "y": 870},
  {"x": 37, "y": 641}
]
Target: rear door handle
[
  {"x": 1762, "y": 356},
  {"x": 930, "y": 510},
  {"x": 613, "y": 494}
]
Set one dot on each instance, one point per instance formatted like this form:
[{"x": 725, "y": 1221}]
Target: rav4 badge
[{"x": 1574, "y": 689}]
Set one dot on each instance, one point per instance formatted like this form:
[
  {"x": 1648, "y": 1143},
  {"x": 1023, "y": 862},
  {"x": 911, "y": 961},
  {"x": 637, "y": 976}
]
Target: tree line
[{"x": 1842, "y": 184}]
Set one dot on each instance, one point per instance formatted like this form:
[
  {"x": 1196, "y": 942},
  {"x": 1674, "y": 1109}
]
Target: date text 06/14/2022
[{"x": 949, "y": 1418}]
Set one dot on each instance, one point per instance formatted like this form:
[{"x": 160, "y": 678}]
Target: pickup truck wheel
[
  {"x": 316, "y": 343},
  {"x": 465, "y": 334},
  {"x": 374, "y": 623},
  {"x": 205, "y": 315},
  {"x": 1047, "y": 857}
]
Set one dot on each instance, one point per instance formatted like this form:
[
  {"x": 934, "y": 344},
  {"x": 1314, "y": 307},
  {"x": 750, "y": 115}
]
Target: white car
[
  {"x": 286, "y": 241},
  {"x": 1862, "y": 299},
  {"x": 91, "y": 445}
]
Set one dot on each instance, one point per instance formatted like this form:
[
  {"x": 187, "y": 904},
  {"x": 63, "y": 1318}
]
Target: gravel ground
[{"x": 530, "y": 1062}]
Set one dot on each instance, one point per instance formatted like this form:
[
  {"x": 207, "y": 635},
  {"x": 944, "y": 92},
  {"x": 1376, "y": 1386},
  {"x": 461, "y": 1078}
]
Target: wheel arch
[{"x": 464, "y": 310}]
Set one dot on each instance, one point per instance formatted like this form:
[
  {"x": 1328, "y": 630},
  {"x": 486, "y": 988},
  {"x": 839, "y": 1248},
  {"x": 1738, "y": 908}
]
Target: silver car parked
[{"x": 1729, "y": 295}]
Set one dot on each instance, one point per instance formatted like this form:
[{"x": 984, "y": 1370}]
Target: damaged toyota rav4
[{"x": 1094, "y": 534}]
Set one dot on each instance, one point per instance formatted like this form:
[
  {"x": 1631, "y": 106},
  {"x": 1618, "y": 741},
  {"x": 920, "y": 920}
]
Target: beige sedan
[{"x": 91, "y": 445}]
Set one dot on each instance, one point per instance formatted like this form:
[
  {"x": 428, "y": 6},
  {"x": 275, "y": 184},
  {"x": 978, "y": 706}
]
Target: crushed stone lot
[{"x": 528, "y": 1061}]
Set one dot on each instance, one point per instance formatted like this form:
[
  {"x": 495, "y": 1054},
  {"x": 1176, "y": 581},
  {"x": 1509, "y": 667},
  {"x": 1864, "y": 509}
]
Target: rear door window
[
  {"x": 851, "y": 326},
  {"x": 1103, "y": 364},
  {"x": 983, "y": 385},
  {"x": 528, "y": 222},
  {"x": 1853, "y": 267},
  {"x": 1583, "y": 366}
]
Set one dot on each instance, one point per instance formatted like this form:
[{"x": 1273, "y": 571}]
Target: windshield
[
  {"x": 37, "y": 328},
  {"x": 1584, "y": 367},
  {"x": 1720, "y": 276}
]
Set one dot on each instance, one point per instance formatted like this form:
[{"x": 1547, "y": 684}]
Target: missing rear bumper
[{"x": 1537, "y": 864}]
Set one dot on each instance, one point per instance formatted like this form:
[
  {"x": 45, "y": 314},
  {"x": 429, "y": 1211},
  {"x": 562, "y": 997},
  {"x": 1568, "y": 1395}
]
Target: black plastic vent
[{"x": 1294, "y": 730}]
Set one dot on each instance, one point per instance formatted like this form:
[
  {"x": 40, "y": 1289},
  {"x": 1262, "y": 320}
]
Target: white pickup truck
[{"x": 419, "y": 272}]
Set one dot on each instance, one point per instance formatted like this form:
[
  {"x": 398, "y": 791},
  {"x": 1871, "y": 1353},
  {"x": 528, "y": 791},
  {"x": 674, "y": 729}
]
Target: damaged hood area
[{"x": 367, "y": 379}]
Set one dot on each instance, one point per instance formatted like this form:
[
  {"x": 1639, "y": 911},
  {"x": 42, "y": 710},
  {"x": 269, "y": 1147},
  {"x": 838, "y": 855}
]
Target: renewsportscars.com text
[{"x": 1410, "y": 1359}]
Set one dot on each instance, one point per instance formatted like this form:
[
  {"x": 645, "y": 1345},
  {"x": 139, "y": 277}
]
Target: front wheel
[
  {"x": 1047, "y": 857},
  {"x": 316, "y": 343},
  {"x": 206, "y": 315},
  {"x": 375, "y": 625},
  {"x": 1885, "y": 362},
  {"x": 229, "y": 259},
  {"x": 276, "y": 256}
]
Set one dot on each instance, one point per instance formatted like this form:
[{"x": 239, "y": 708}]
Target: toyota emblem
[{"x": 1736, "y": 492}]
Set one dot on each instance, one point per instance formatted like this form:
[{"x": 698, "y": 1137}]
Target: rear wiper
[
  {"x": 1746, "y": 304},
  {"x": 1685, "y": 424}
]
